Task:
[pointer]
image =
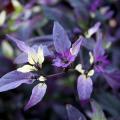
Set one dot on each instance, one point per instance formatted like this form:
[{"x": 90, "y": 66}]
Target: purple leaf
[
  {"x": 88, "y": 43},
  {"x": 38, "y": 93},
  {"x": 76, "y": 46},
  {"x": 113, "y": 79},
  {"x": 74, "y": 114},
  {"x": 84, "y": 87},
  {"x": 99, "y": 50},
  {"x": 20, "y": 44},
  {"x": 22, "y": 58},
  {"x": 14, "y": 79},
  {"x": 60, "y": 38},
  {"x": 94, "y": 5}
]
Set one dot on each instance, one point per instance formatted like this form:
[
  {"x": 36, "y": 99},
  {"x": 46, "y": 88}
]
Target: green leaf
[
  {"x": 7, "y": 49},
  {"x": 97, "y": 112},
  {"x": 110, "y": 103}
]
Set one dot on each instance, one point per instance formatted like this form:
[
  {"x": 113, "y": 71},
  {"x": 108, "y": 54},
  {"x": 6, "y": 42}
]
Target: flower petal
[
  {"x": 84, "y": 87},
  {"x": 32, "y": 56},
  {"x": 76, "y": 46},
  {"x": 20, "y": 44},
  {"x": 60, "y": 38},
  {"x": 40, "y": 55},
  {"x": 74, "y": 114},
  {"x": 91, "y": 58},
  {"x": 79, "y": 69},
  {"x": 14, "y": 79},
  {"x": 38, "y": 93},
  {"x": 90, "y": 73},
  {"x": 26, "y": 68}
]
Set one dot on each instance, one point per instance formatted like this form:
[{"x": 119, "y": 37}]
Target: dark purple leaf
[
  {"x": 74, "y": 114},
  {"x": 99, "y": 50},
  {"x": 113, "y": 78}
]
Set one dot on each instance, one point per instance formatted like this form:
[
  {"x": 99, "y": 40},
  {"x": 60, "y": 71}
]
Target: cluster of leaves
[{"x": 79, "y": 49}]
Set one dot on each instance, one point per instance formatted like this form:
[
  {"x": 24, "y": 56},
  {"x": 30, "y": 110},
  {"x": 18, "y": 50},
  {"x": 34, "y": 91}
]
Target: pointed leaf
[
  {"x": 84, "y": 87},
  {"x": 99, "y": 50},
  {"x": 97, "y": 112},
  {"x": 74, "y": 114},
  {"x": 113, "y": 79},
  {"x": 38, "y": 93},
  {"x": 14, "y": 79},
  {"x": 20, "y": 44},
  {"x": 60, "y": 38},
  {"x": 88, "y": 43},
  {"x": 109, "y": 102},
  {"x": 22, "y": 58}
]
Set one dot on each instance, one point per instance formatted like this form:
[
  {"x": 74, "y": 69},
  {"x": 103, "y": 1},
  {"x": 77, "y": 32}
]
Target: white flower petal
[
  {"x": 26, "y": 68},
  {"x": 91, "y": 58},
  {"x": 90, "y": 73},
  {"x": 79, "y": 68},
  {"x": 40, "y": 55},
  {"x": 32, "y": 56}
]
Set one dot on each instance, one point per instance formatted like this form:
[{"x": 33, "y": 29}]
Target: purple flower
[
  {"x": 23, "y": 57},
  {"x": 35, "y": 58},
  {"x": 99, "y": 58},
  {"x": 101, "y": 64},
  {"x": 65, "y": 53},
  {"x": 15, "y": 78}
]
